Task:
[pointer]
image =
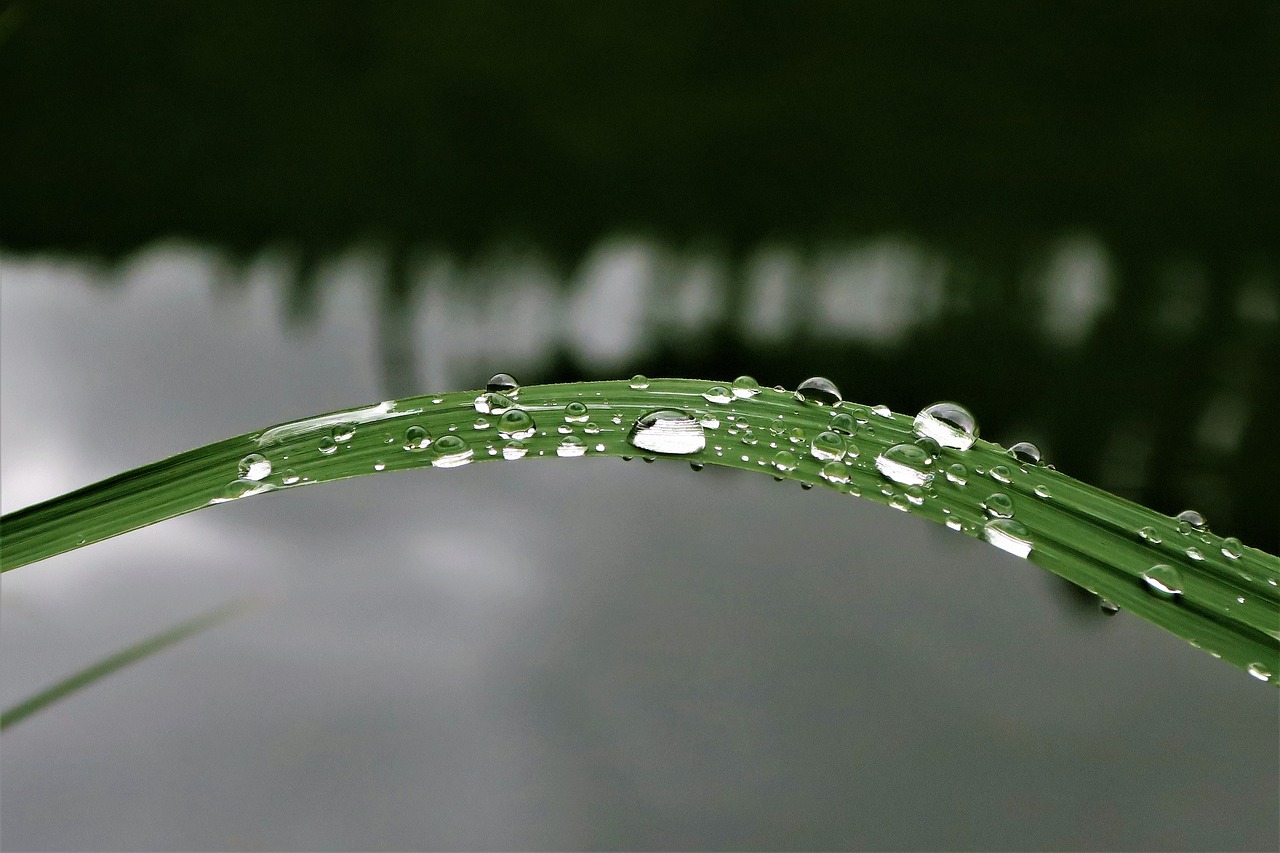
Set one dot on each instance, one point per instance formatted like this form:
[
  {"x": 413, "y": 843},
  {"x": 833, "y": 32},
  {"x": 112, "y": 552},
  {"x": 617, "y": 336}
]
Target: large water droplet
[
  {"x": 835, "y": 472},
  {"x": 328, "y": 446},
  {"x": 957, "y": 473},
  {"x": 819, "y": 391},
  {"x": 451, "y": 452},
  {"x": 842, "y": 422},
  {"x": 784, "y": 460},
  {"x": 998, "y": 505},
  {"x": 255, "y": 466},
  {"x": 416, "y": 438},
  {"x": 827, "y": 446},
  {"x": 502, "y": 383},
  {"x": 668, "y": 431},
  {"x": 514, "y": 450},
  {"x": 1163, "y": 580},
  {"x": 1189, "y": 520},
  {"x": 1025, "y": 452},
  {"x": 344, "y": 432},
  {"x": 571, "y": 446},
  {"x": 949, "y": 424},
  {"x": 1008, "y": 535},
  {"x": 289, "y": 476},
  {"x": 639, "y": 381},
  {"x": 576, "y": 412},
  {"x": 240, "y": 488},
  {"x": 1259, "y": 671},
  {"x": 516, "y": 423},
  {"x": 1001, "y": 473},
  {"x": 905, "y": 464},
  {"x": 1232, "y": 548},
  {"x": 717, "y": 394},
  {"x": 745, "y": 387}
]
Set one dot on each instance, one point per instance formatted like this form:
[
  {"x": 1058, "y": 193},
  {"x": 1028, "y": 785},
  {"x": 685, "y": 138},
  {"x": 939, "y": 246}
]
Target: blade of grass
[
  {"x": 1229, "y": 602},
  {"x": 114, "y": 663}
]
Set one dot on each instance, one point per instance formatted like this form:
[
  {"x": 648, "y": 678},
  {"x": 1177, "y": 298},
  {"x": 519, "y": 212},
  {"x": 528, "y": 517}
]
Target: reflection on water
[{"x": 1155, "y": 387}]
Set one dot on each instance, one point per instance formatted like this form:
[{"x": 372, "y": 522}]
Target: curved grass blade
[
  {"x": 114, "y": 663},
  {"x": 1216, "y": 593}
]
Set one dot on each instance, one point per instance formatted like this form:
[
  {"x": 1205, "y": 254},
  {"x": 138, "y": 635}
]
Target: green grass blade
[
  {"x": 114, "y": 663},
  {"x": 1229, "y": 603}
]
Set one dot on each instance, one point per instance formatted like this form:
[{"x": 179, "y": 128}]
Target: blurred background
[{"x": 215, "y": 217}]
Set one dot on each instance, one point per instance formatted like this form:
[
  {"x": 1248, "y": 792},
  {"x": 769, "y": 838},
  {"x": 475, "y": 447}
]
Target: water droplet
[
  {"x": 344, "y": 432},
  {"x": 998, "y": 505},
  {"x": 502, "y": 383},
  {"x": 1149, "y": 533},
  {"x": 843, "y": 423},
  {"x": 1163, "y": 580},
  {"x": 1189, "y": 520},
  {"x": 639, "y": 381},
  {"x": 571, "y": 446},
  {"x": 717, "y": 394},
  {"x": 949, "y": 424},
  {"x": 900, "y": 503},
  {"x": 955, "y": 524},
  {"x": 851, "y": 450},
  {"x": 516, "y": 423},
  {"x": 914, "y": 494},
  {"x": 1232, "y": 548},
  {"x": 1026, "y": 453},
  {"x": 784, "y": 460},
  {"x": 929, "y": 446},
  {"x": 328, "y": 445},
  {"x": 255, "y": 466},
  {"x": 514, "y": 450},
  {"x": 835, "y": 472},
  {"x": 289, "y": 476},
  {"x": 1008, "y": 535},
  {"x": 416, "y": 438},
  {"x": 1259, "y": 671},
  {"x": 745, "y": 387},
  {"x": 379, "y": 465},
  {"x": 592, "y": 428},
  {"x": 490, "y": 403},
  {"x": 240, "y": 488},
  {"x": 827, "y": 445},
  {"x": 797, "y": 436},
  {"x": 882, "y": 410},
  {"x": 1195, "y": 553},
  {"x": 451, "y": 452},
  {"x": 576, "y": 412},
  {"x": 695, "y": 465},
  {"x": 668, "y": 431},
  {"x": 1042, "y": 491},
  {"x": 905, "y": 464},
  {"x": 819, "y": 391},
  {"x": 1001, "y": 473},
  {"x": 958, "y": 474},
  {"x": 1108, "y": 608},
  {"x": 480, "y": 424}
]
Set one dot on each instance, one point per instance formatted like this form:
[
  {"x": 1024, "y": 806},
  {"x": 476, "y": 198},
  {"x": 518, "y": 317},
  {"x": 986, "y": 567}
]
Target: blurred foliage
[{"x": 985, "y": 130}]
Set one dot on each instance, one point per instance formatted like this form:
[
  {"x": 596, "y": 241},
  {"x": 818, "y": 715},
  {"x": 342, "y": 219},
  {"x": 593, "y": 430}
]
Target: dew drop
[
  {"x": 417, "y": 438},
  {"x": 860, "y": 414},
  {"x": 929, "y": 446},
  {"x": 480, "y": 424},
  {"x": 571, "y": 446},
  {"x": 717, "y": 394},
  {"x": 1163, "y": 580},
  {"x": 998, "y": 505},
  {"x": 745, "y": 387},
  {"x": 1189, "y": 520},
  {"x": 1108, "y": 607},
  {"x": 240, "y": 488},
  {"x": 882, "y": 410},
  {"x": 490, "y": 403},
  {"x": 1026, "y": 453},
  {"x": 516, "y": 423},
  {"x": 576, "y": 412},
  {"x": 900, "y": 503},
  {"x": 502, "y": 383},
  {"x": 819, "y": 391},
  {"x": 1149, "y": 533},
  {"x": 949, "y": 424},
  {"x": 843, "y": 423},
  {"x": 784, "y": 460},
  {"x": 1008, "y": 535},
  {"x": 379, "y": 465},
  {"x": 289, "y": 476},
  {"x": 1232, "y": 548},
  {"x": 958, "y": 474},
  {"x": 592, "y": 428},
  {"x": 639, "y": 381},
  {"x": 827, "y": 446},
  {"x": 797, "y": 436},
  {"x": 1195, "y": 553},
  {"x": 668, "y": 431},
  {"x": 1042, "y": 491},
  {"x": 255, "y": 466},
  {"x": 835, "y": 472},
  {"x": 695, "y": 465},
  {"x": 451, "y": 452},
  {"x": 514, "y": 450},
  {"x": 955, "y": 524},
  {"x": 914, "y": 494},
  {"x": 1259, "y": 671},
  {"x": 1001, "y": 473},
  {"x": 328, "y": 445},
  {"x": 905, "y": 464}
]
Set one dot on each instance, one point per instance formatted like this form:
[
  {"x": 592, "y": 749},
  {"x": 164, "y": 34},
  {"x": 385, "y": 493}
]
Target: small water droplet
[
  {"x": 1149, "y": 533},
  {"x": 914, "y": 494},
  {"x": 255, "y": 466},
  {"x": 998, "y": 505},
  {"x": 240, "y": 488},
  {"x": 416, "y": 438},
  {"x": 344, "y": 432},
  {"x": 842, "y": 422},
  {"x": 1189, "y": 520},
  {"x": 851, "y": 450},
  {"x": 949, "y": 424},
  {"x": 516, "y": 423},
  {"x": 379, "y": 465},
  {"x": 592, "y": 428},
  {"x": 1195, "y": 553},
  {"x": 502, "y": 383},
  {"x": 1042, "y": 491},
  {"x": 835, "y": 472},
  {"x": 695, "y": 465},
  {"x": 639, "y": 381},
  {"x": 784, "y": 460},
  {"x": 819, "y": 391},
  {"x": 1008, "y": 535},
  {"x": 1232, "y": 548},
  {"x": 328, "y": 445},
  {"x": 1163, "y": 580},
  {"x": 451, "y": 452},
  {"x": 900, "y": 503},
  {"x": 958, "y": 474},
  {"x": 828, "y": 446},
  {"x": 905, "y": 464},
  {"x": 1001, "y": 473},
  {"x": 289, "y": 476},
  {"x": 745, "y": 387},
  {"x": 668, "y": 431},
  {"x": 882, "y": 410},
  {"x": 797, "y": 436},
  {"x": 514, "y": 450},
  {"x": 717, "y": 394},
  {"x": 1026, "y": 453},
  {"x": 480, "y": 424},
  {"x": 955, "y": 523},
  {"x": 576, "y": 412},
  {"x": 1260, "y": 672},
  {"x": 929, "y": 446},
  {"x": 490, "y": 403},
  {"x": 571, "y": 446}
]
